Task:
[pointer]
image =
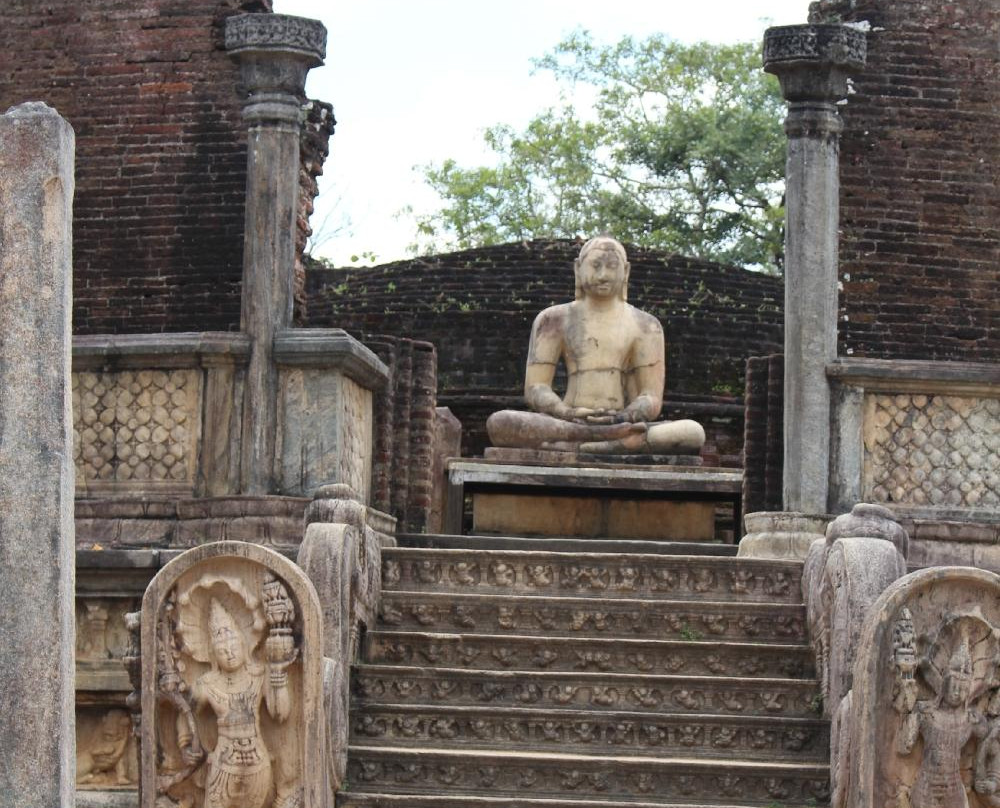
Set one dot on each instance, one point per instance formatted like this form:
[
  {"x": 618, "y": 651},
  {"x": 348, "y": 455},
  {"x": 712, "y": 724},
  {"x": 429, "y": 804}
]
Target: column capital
[
  {"x": 813, "y": 62},
  {"x": 275, "y": 52}
]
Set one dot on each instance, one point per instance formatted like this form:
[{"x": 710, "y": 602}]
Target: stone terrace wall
[
  {"x": 161, "y": 153},
  {"x": 920, "y": 182},
  {"x": 477, "y": 307}
]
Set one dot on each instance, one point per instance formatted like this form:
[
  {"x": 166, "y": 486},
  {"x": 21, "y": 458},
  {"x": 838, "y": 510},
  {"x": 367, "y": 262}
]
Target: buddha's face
[
  {"x": 602, "y": 273},
  {"x": 228, "y": 649}
]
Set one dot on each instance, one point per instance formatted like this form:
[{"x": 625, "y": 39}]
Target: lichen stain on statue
[
  {"x": 949, "y": 722},
  {"x": 615, "y": 364},
  {"x": 227, "y": 681}
]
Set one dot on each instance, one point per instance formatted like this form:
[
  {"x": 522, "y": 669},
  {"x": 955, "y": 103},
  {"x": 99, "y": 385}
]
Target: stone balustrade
[{"x": 161, "y": 414}]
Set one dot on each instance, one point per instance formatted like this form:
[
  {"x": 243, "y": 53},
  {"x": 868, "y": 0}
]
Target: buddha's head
[
  {"x": 227, "y": 642},
  {"x": 602, "y": 270}
]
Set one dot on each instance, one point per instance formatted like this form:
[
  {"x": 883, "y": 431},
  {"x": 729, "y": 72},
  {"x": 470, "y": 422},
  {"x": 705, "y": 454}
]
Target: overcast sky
[{"x": 417, "y": 81}]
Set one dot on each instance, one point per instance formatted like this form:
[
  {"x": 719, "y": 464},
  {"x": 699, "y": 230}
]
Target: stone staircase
[{"x": 575, "y": 679}]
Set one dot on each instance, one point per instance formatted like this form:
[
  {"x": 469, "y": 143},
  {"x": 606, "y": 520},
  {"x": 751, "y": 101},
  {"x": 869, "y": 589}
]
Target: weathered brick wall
[
  {"x": 161, "y": 154},
  {"x": 477, "y": 307},
  {"x": 920, "y": 182}
]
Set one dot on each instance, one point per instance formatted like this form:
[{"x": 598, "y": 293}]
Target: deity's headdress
[{"x": 219, "y": 620}]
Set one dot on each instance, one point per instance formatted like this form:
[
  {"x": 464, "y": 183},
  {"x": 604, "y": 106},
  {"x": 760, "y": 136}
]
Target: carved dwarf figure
[
  {"x": 614, "y": 357},
  {"x": 102, "y": 761}
]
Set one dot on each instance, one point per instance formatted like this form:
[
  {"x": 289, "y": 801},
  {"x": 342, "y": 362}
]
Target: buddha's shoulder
[
  {"x": 554, "y": 315},
  {"x": 644, "y": 321}
]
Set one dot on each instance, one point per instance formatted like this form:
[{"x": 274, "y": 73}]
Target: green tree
[{"x": 680, "y": 148}]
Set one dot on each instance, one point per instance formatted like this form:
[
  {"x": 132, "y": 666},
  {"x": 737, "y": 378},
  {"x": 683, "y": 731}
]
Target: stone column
[
  {"x": 275, "y": 51},
  {"x": 37, "y": 630},
  {"x": 812, "y": 62}
]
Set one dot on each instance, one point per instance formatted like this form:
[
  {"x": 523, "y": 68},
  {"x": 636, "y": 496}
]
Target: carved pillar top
[
  {"x": 275, "y": 51},
  {"x": 813, "y": 61}
]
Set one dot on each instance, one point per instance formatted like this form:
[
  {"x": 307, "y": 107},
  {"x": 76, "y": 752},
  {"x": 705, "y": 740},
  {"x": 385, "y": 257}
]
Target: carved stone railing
[
  {"x": 921, "y": 725},
  {"x": 342, "y": 555},
  {"x": 920, "y": 437},
  {"x": 863, "y": 552},
  {"x": 158, "y": 413},
  {"x": 161, "y": 414}
]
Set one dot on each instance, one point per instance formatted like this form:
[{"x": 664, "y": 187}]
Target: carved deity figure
[
  {"x": 615, "y": 364},
  {"x": 948, "y": 722},
  {"x": 236, "y": 689}
]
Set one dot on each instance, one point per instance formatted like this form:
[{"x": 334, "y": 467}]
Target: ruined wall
[
  {"x": 402, "y": 479},
  {"x": 477, "y": 307},
  {"x": 161, "y": 154},
  {"x": 920, "y": 182}
]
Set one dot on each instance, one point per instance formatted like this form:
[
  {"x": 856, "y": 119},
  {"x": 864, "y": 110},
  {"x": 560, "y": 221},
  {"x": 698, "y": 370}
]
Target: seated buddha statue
[{"x": 615, "y": 366}]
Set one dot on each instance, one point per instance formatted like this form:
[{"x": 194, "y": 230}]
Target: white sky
[{"x": 418, "y": 81}]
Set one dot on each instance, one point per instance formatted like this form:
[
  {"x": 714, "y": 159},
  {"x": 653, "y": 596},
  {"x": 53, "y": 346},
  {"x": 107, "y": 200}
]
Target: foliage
[{"x": 673, "y": 146}]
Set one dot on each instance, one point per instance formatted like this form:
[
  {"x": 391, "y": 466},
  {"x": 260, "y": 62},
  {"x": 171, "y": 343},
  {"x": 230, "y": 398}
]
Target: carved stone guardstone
[
  {"x": 924, "y": 717},
  {"x": 232, "y": 671}
]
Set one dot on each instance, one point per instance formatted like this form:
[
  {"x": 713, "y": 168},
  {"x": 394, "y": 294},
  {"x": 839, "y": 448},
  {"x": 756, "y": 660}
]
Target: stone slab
[
  {"x": 554, "y": 458},
  {"x": 593, "y": 516},
  {"x": 472, "y": 542},
  {"x": 37, "y": 724}
]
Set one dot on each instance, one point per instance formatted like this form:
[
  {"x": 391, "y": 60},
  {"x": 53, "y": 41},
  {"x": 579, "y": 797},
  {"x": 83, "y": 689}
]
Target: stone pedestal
[
  {"x": 812, "y": 63},
  {"x": 591, "y": 501},
  {"x": 275, "y": 52},
  {"x": 36, "y": 472},
  {"x": 779, "y": 534}
]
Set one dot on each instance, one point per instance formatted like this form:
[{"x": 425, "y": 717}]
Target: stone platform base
[
  {"x": 552, "y": 458},
  {"x": 666, "y": 503}
]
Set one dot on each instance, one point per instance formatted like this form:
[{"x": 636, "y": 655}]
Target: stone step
[
  {"x": 607, "y": 575},
  {"x": 566, "y": 775},
  {"x": 354, "y": 799},
  {"x": 590, "y": 732},
  {"x": 604, "y": 617},
  {"x": 487, "y": 652},
  {"x": 567, "y": 545},
  {"x": 553, "y": 690}
]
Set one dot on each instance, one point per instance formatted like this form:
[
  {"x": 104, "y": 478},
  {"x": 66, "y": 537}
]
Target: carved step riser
[
  {"x": 595, "y": 733},
  {"x": 549, "y": 691},
  {"x": 351, "y": 799},
  {"x": 486, "y": 652},
  {"x": 555, "y": 574},
  {"x": 633, "y": 779},
  {"x": 748, "y": 622}
]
